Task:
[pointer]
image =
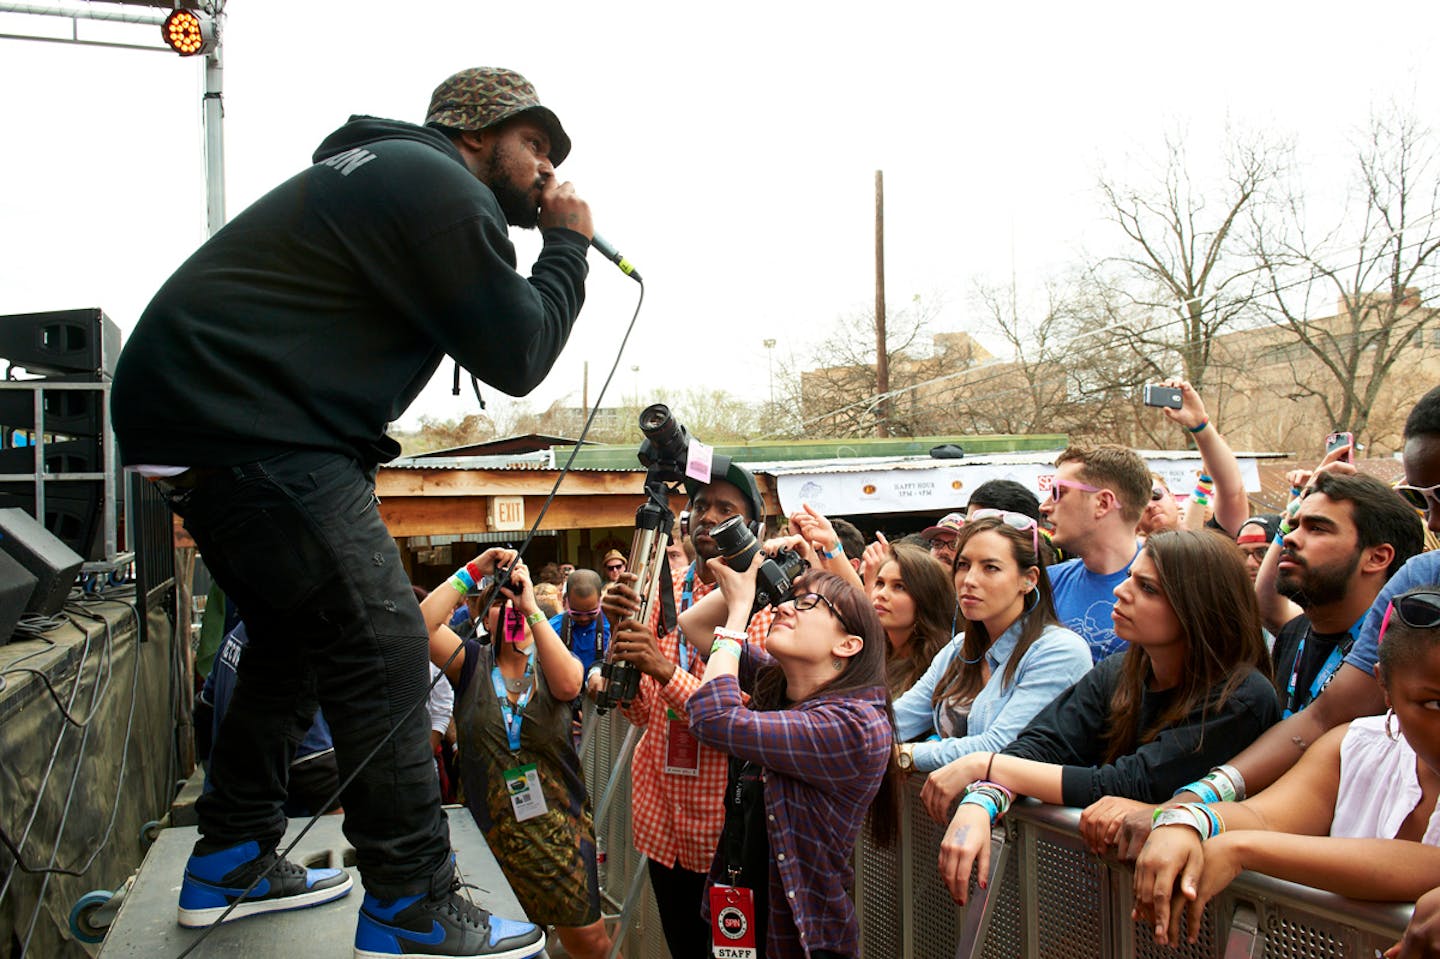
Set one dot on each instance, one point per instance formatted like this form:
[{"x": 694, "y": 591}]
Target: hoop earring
[{"x": 1389, "y": 716}]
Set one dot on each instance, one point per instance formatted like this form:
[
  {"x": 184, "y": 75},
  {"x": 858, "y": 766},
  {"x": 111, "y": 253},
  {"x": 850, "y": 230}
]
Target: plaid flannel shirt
[
  {"x": 824, "y": 760},
  {"x": 678, "y": 819}
]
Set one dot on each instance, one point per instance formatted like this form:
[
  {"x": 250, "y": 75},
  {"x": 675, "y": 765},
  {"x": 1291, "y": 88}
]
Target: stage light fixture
[{"x": 187, "y": 33}]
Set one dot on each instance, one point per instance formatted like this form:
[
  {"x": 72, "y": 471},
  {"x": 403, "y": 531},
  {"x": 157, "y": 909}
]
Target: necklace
[{"x": 517, "y": 685}]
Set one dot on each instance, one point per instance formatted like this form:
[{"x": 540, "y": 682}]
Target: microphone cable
[{"x": 423, "y": 700}]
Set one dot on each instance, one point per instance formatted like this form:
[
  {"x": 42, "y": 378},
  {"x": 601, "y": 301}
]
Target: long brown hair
[
  {"x": 964, "y": 677},
  {"x": 1202, "y": 575},
  {"x": 863, "y": 671},
  {"x": 932, "y": 592}
]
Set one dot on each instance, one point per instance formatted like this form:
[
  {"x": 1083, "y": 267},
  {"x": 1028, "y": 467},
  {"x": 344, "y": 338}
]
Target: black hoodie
[{"x": 314, "y": 317}]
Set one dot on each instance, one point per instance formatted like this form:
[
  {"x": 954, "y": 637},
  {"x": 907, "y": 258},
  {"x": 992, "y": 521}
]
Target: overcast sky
[{"x": 728, "y": 149}]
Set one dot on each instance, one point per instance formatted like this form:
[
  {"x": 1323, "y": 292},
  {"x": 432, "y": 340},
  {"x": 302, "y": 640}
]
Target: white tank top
[{"x": 1378, "y": 785}]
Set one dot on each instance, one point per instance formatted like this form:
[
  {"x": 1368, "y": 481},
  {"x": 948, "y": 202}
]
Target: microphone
[{"x": 608, "y": 251}]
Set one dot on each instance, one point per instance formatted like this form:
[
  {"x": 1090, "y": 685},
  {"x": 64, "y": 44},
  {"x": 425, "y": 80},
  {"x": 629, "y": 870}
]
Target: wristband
[
  {"x": 1237, "y": 781},
  {"x": 1197, "y": 816},
  {"x": 464, "y": 575},
  {"x": 984, "y": 801},
  {"x": 1200, "y": 428},
  {"x": 834, "y": 552},
  {"x": 458, "y": 584},
  {"x": 725, "y": 645},
  {"x": 739, "y": 635},
  {"x": 534, "y": 619}
]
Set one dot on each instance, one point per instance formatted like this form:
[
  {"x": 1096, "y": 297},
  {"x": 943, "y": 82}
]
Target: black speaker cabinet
[
  {"x": 17, "y": 585},
  {"x": 74, "y": 509},
  {"x": 78, "y": 413},
  {"x": 53, "y": 564},
  {"x": 61, "y": 341}
]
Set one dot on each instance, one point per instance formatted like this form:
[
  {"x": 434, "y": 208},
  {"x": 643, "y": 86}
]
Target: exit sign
[{"x": 507, "y": 512}]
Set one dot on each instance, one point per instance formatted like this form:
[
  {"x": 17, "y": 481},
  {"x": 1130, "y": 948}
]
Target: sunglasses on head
[
  {"x": 1418, "y": 610},
  {"x": 1016, "y": 521},
  {"x": 1423, "y": 498},
  {"x": 1056, "y": 485}
]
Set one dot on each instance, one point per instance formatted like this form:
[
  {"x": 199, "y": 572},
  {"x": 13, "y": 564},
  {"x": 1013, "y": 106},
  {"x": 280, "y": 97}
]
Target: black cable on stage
[
  {"x": 9, "y": 843},
  {"x": 500, "y": 577}
]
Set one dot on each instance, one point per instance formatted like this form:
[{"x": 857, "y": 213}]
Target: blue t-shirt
[
  {"x": 1421, "y": 570},
  {"x": 1083, "y": 601},
  {"x": 582, "y": 637}
]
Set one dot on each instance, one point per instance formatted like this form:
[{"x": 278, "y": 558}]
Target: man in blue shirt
[
  {"x": 1096, "y": 498},
  {"x": 577, "y": 624}
]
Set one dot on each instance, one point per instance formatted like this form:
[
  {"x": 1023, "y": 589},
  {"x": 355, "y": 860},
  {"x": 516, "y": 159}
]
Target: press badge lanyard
[
  {"x": 687, "y": 596},
  {"x": 512, "y": 714},
  {"x": 1322, "y": 678}
]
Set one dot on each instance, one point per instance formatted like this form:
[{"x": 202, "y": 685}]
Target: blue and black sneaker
[
  {"x": 214, "y": 881},
  {"x": 441, "y": 924}
]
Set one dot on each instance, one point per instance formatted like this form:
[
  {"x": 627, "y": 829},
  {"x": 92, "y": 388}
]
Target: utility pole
[
  {"x": 882, "y": 361},
  {"x": 770, "y": 359}
]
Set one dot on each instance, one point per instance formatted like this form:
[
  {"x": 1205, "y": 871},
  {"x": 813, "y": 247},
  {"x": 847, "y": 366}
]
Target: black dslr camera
[
  {"x": 663, "y": 453},
  {"x": 777, "y": 574}
]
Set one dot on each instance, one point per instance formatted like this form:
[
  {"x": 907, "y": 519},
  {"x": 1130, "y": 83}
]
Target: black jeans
[
  {"x": 678, "y": 897},
  {"x": 297, "y": 542}
]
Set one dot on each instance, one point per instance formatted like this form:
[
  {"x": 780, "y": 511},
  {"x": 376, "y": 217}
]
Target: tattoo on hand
[{"x": 959, "y": 834}]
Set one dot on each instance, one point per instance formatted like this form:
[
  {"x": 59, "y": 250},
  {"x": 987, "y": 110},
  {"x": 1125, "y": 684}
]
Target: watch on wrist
[{"x": 906, "y": 759}]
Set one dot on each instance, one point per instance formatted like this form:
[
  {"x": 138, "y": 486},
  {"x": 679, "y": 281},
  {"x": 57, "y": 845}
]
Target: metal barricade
[{"x": 1049, "y": 898}]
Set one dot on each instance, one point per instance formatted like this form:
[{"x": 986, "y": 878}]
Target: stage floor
[{"x": 146, "y": 924}]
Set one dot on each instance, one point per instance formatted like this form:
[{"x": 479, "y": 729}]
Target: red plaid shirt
[{"x": 677, "y": 819}]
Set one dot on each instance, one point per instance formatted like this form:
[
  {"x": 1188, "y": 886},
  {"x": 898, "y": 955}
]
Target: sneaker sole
[
  {"x": 520, "y": 952},
  {"x": 199, "y": 918}
]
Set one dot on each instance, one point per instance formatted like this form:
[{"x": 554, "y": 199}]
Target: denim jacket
[{"x": 1052, "y": 664}]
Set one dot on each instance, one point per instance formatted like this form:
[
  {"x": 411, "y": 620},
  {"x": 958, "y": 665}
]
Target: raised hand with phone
[{"x": 1229, "y": 502}]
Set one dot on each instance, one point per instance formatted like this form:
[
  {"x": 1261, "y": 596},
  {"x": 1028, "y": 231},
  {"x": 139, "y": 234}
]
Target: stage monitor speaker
[
  {"x": 17, "y": 585},
  {"x": 61, "y": 341},
  {"x": 53, "y": 564},
  {"x": 74, "y": 510},
  {"x": 67, "y": 412}
]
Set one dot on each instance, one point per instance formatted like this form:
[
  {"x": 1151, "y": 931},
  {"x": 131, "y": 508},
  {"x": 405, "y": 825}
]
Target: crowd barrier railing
[{"x": 1048, "y": 898}]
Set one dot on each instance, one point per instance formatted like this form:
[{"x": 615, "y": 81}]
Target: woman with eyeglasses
[
  {"x": 1191, "y": 690},
  {"x": 517, "y": 758},
  {"x": 1371, "y": 787},
  {"x": 812, "y": 756},
  {"x": 1011, "y": 659},
  {"x": 915, "y": 600}
]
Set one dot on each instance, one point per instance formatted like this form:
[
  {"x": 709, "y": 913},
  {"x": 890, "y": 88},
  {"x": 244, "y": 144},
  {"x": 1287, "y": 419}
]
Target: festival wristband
[
  {"x": 1205, "y": 821},
  {"x": 1237, "y": 781},
  {"x": 465, "y": 577},
  {"x": 725, "y": 644},
  {"x": 834, "y": 552},
  {"x": 984, "y": 801},
  {"x": 534, "y": 619},
  {"x": 1200, "y": 428},
  {"x": 458, "y": 584}
]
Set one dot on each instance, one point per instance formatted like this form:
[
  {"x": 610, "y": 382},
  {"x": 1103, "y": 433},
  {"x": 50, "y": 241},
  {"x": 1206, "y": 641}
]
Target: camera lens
[{"x": 736, "y": 543}]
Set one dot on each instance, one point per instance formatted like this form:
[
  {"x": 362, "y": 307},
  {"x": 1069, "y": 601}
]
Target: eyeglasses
[
  {"x": 1016, "y": 521},
  {"x": 581, "y": 613},
  {"x": 1418, "y": 610},
  {"x": 1056, "y": 485},
  {"x": 1423, "y": 498},
  {"x": 811, "y": 600}
]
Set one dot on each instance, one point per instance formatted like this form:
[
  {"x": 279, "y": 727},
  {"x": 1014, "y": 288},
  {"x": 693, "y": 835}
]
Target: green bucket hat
[{"x": 481, "y": 97}]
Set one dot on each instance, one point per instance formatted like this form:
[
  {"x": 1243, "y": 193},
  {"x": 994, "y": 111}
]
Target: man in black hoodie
[{"x": 256, "y": 390}]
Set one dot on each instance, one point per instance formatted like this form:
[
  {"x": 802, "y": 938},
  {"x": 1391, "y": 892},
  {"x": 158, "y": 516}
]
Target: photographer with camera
[
  {"x": 678, "y": 784},
  {"x": 518, "y": 764},
  {"x": 811, "y": 754}
]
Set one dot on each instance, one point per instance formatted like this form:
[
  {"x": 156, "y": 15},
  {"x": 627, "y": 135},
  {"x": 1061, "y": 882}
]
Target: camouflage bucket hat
[{"x": 484, "y": 96}]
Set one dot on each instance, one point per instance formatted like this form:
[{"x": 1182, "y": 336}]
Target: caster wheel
[
  {"x": 83, "y": 920},
  {"x": 149, "y": 833}
]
